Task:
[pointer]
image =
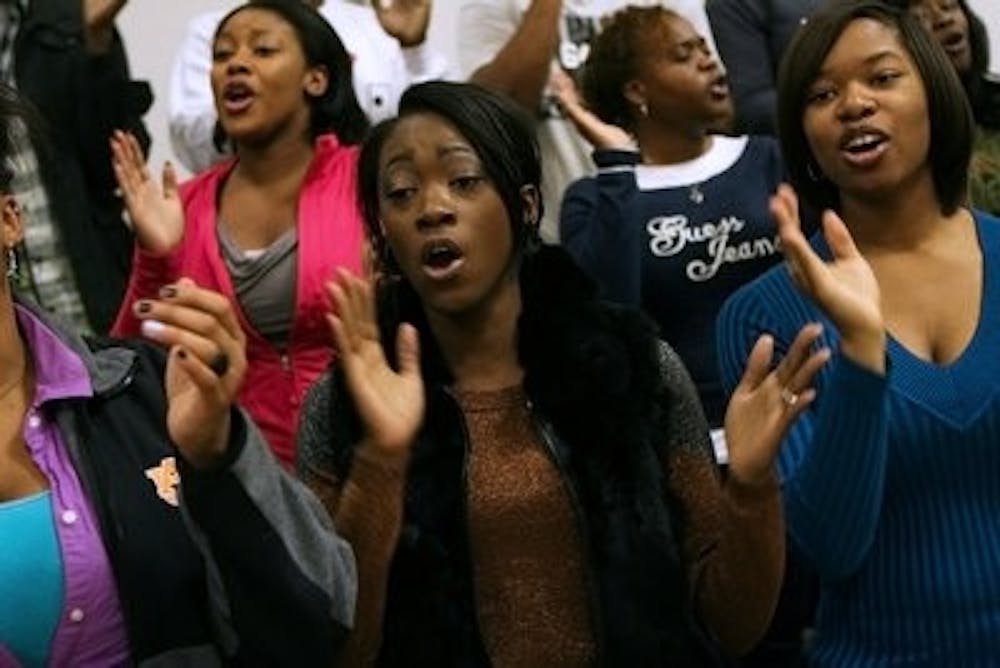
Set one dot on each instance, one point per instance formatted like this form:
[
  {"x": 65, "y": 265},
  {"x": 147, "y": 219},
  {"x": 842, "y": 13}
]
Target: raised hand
[
  {"x": 766, "y": 403},
  {"x": 389, "y": 401},
  {"x": 205, "y": 368},
  {"x": 406, "y": 20},
  {"x": 593, "y": 129},
  {"x": 845, "y": 288},
  {"x": 99, "y": 20},
  {"x": 156, "y": 211}
]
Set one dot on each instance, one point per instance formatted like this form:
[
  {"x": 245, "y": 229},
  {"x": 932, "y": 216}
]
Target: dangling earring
[
  {"x": 644, "y": 110},
  {"x": 11, "y": 262},
  {"x": 815, "y": 174}
]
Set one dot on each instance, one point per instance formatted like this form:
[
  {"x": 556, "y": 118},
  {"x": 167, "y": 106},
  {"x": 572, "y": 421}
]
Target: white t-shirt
[
  {"x": 485, "y": 26},
  {"x": 382, "y": 70}
]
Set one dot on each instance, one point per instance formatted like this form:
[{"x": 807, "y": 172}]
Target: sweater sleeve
[
  {"x": 734, "y": 534},
  {"x": 741, "y": 35},
  {"x": 833, "y": 461},
  {"x": 282, "y": 582},
  {"x": 599, "y": 226},
  {"x": 366, "y": 507},
  {"x": 148, "y": 275}
]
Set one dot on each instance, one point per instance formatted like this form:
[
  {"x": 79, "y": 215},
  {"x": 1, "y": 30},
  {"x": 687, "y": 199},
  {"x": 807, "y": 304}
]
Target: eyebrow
[
  {"x": 443, "y": 151},
  {"x": 874, "y": 58}
]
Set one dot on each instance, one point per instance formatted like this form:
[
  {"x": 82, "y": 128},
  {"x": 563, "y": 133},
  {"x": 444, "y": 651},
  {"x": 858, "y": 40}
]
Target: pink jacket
[{"x": 330, "y": 235}]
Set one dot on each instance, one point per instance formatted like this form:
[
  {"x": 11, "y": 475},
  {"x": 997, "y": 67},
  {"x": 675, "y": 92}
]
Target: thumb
[
  {"x": 169, "y": 180},
  {"x": 838, "y": 236},
  {"x": 758, "y": 363},
  {"x": 408, "y": 350}
]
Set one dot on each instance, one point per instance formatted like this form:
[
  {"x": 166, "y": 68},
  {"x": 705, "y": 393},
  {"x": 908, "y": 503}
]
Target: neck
[
  {"x": 267, "y": 162},
  {"x": 667, "y": 147},
  {"x": 13, "y": 354},
  {"x": 480, "y": 346},
  {"x": 905, "y": 220}
]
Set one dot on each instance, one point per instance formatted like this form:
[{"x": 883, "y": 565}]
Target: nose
[
  {"x": 707, "y": 61},
  {"x": 237, "y": 62},
  {"x": 437, "y": 208},
  {"x": 856, "y": 103}
]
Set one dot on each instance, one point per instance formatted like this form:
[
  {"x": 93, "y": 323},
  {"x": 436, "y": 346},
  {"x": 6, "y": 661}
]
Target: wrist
[
  {"x": 210, "y": 454},
  {"x": 866, "y": 349}
]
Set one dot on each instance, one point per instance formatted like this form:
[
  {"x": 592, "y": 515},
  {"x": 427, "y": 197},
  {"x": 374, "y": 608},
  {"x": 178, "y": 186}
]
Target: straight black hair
[{"x": 951, "y": 123}]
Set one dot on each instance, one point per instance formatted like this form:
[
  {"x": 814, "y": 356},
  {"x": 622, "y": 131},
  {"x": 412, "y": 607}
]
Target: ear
[
  {"x": 11, "y": 227},
  {"x": 531, "y": 201},
  {"x": 634, "y": 91},
  {"x": 317, "y": 80}
]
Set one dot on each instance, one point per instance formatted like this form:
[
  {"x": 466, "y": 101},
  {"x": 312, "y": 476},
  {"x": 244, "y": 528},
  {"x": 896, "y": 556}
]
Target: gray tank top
[{"x": 265, "y": 282}]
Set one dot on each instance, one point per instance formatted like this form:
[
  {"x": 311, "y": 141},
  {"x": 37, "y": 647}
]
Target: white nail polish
[{"x": 152, "y": 328}]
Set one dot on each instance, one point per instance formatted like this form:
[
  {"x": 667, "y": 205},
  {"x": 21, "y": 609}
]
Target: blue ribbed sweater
[{"x": 892, "y": 484}]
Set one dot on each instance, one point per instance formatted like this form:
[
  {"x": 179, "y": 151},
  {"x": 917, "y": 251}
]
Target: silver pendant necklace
[{"x": 695, "y": 194}]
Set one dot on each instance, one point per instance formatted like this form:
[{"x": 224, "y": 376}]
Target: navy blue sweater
[
  {"x": 892, "y": 484},
  {"x": 677, "y": 240}
]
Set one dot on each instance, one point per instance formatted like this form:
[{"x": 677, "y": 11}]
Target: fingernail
[
  {"x": 168, "y": 291},
  {"x": 143, "y": 306},
  {"x": 152, "y": 328}
]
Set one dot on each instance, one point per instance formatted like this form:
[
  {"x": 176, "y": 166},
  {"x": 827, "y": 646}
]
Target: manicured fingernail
[
  {"x": 168, "y": 291},
  {"x": 152, "y": 328},
  {"x": 143, "y": 306}
]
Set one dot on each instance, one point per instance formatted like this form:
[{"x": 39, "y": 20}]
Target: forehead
[
  {"x": 423, "y": 132},
  {"x": 667, "y": 29},
  {"x": 864, "y": 41},
  {"x": 253, "y": 21}
]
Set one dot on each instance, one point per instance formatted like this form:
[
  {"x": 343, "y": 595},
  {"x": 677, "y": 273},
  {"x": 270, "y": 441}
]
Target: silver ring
[{"x": 790, "y": 398}]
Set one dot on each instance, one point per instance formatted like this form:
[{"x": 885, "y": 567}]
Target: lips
[
  {"x": 441, "y": 259},
  {"x": 719, "y": 88},
  {"x": 954, "y": 44},
  {"x": 237, "y": 97},
  {"x": 863, "y": 147}
]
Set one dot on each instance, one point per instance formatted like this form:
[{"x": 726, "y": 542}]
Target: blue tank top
[{"x": 31, "y": 578}]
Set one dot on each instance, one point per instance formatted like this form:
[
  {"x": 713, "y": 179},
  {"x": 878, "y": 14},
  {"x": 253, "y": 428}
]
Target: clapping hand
[
  {"x": 406, "y": 20},
  {"x": 767, "y": 402},
  {"x": 205, "y": 367},
  {"x": 389, "y": 401},
  {"x": 845, "y": 288},
  {"x": 156, "y": 211}
]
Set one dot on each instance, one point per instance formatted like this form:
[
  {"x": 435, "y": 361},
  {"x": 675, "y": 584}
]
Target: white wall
[{"x": 153, "y": 28}]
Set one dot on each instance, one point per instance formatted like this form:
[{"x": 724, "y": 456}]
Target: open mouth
[
  {"x": 719, "y": 88},
  {"x": 954, "y": 43},
  {"x": 237, "y": 97},
  {"x": 863, "y": 147},
  {"x": 441, "y": 259}
]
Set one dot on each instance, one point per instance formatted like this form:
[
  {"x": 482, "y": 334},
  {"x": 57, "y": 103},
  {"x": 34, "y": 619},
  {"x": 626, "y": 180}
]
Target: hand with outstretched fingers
[
  {"x": 205, "y": 367},
  {"x": 405, "y": 20},
  {"x": 157, "y": 212},
  {"x": 390, "y": 402},
  {"x": 766, "y": 403},
  {"x": 844, "y": 288}
]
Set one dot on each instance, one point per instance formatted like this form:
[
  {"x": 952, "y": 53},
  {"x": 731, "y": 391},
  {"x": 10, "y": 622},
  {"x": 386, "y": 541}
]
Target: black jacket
[
  {"x": 82, "y": 99},
  {"x": 246, "y": 571},
  {"x": 604, "y": 393}
]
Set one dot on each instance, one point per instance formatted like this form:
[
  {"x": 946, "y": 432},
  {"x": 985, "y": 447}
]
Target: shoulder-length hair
[{"x": 951, "y": 124}]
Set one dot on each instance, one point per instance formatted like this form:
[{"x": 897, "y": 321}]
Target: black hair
[
  {"x": 337, "y": 110},
  {"x": 613, "y": 61},
  {"x": 951, "y": 124},
  {"x": 498, "y": 131}
]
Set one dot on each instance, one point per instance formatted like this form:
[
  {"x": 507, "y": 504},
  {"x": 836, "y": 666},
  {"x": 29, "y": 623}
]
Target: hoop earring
[{"x": 11, "y": 263}]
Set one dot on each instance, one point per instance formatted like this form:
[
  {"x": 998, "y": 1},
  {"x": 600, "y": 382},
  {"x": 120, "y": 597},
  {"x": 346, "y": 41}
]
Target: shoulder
[
  {"x": 328, "y": 427},
  {"x": 205, "y": 181}
]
